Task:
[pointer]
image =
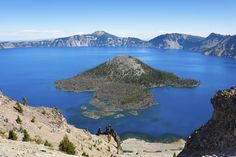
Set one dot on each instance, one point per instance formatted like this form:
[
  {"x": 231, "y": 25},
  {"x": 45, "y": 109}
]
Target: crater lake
[{"x": 32, "y": 72}]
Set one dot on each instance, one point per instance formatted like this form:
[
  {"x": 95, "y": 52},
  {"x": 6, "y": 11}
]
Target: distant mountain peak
[
  {"x": 215, "y": 35},
  {"x": 126, "y": 63},
  {"x": 99, "y": 33}
]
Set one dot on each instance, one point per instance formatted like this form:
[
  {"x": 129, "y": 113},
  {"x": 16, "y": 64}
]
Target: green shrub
[
  {"x": 85, "y": 154},
  {"x": 18, "y": 107},
  {"x": 46, "y": 143},
  {"x": 18, "y": 120},
  {"x": 67, "y": 146},
  {"x": 2, "y": 134},
  {"x": 12, "y": 135},
  {"x": 25, "y": 102},
  {"x": 33, "y": 120},
  {"x": 26, "y": 137},
  {"x": 21, "y": 129},
  {"x": 38, "y": 140}
]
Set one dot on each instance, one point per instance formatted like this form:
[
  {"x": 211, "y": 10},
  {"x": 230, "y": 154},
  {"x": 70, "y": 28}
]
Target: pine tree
[
  {"x": 25, "y": 102},
  {"x": 67, "y": 146},
  {"x": 174, "y": 155},
  {"x": 99, "y": 132},
  {"x": 18, "y": 107},
  {"x": 18, "y": 120},
  {"x": 26, "y": 137},
  {"x": 12, "y": 135}
]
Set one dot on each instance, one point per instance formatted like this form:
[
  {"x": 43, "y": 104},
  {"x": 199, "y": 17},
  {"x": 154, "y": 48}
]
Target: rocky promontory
[
  {"x": 27, "y": 131},
  {"x": 218, "y": 136},
  {"x": 121, "y": 84}
]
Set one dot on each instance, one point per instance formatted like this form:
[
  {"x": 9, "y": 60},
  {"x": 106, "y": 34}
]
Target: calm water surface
[{"x": 31, "y": 72}]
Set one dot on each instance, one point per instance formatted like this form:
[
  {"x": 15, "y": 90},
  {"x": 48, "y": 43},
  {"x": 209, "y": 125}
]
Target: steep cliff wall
[{"x": 218, "y": 136}]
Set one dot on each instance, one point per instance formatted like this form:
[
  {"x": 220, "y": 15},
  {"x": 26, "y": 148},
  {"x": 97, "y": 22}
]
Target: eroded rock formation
[{"x": 218, "y": 136}]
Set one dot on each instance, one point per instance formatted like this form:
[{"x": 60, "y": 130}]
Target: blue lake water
[{"x": 31, "y": 72}]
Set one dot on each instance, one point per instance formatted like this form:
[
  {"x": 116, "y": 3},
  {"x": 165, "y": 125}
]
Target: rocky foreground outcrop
[
  {"x": 45, "y": 124},
  {"x": 139, "y": 148},
  {"x": 9, "y": 148},
  {"x": 218, "y": 136}
]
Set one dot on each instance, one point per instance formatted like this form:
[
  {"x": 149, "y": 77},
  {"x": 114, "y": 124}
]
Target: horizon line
[{"x": 119, "y": 35}]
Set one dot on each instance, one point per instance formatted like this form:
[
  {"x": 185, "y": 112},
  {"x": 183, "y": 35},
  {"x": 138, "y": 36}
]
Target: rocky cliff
[
  {"x": 209, "y": 42},
  {"x": 218, "y": 136},
  {"x": 226, "y": 47},
  {"x": 45, "y": 124},
  {"x": 175, "y": 41},
  {"x": 217, "y": 45}
]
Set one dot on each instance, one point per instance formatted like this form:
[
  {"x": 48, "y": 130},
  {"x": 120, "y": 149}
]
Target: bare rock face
[
  {"x": 218, "y": 136},
  {"x": 175, "y": 41}
]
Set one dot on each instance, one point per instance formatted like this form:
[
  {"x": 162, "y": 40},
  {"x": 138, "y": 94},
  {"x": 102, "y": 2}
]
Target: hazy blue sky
[{"x": 37, "y": 19}]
